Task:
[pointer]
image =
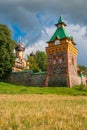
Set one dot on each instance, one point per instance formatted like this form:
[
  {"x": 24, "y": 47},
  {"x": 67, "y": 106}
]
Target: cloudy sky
[{"x": 34, "y": 21}]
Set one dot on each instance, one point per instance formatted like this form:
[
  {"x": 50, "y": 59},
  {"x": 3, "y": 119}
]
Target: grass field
[
  {"x": 35, "y": 108},
  {"x": 43, "y": 112}
]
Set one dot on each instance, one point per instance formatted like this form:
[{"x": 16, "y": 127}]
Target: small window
[
  {"x": 57, "y": 42},
  {"x": 60, "y": 60},
  {"x": 59, "y": 26},
  {"x": 54, "y": 62}
]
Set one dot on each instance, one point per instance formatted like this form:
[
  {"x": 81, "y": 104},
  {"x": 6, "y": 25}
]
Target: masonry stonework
[{"x": 27, "y": 78}]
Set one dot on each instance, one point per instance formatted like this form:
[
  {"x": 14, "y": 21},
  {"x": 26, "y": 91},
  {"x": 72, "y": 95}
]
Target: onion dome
[
  {"x": 19, "y": 47},
  {"x": 31, "y": 54}
]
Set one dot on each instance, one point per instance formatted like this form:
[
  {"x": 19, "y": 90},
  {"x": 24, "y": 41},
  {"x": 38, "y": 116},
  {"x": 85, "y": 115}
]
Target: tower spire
[
  {"x": 60, "y": 22},
  {"x": 20, "y": 39}
]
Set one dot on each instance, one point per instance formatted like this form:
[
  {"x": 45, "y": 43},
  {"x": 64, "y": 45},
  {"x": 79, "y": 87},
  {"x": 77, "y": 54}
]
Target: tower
[{"x": 61, "y": 58}]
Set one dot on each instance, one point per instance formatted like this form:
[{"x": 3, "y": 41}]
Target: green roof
[
  {"x": 60, "y": 20},
  {"x": 60, "y": 32}
]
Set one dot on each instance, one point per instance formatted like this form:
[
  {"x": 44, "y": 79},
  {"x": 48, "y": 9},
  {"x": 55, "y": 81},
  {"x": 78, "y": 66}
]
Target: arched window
[
  {"x": 54, "y": 59},
  {"x": 60, "y": 60},
  {"x": 57, "y": 42}
]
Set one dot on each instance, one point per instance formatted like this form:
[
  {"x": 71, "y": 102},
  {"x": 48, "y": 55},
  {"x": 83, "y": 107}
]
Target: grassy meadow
[
  {"x": 43, "y": 112},
  {"x": 35, "y": 108}
]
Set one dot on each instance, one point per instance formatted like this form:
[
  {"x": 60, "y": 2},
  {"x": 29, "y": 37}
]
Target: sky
[{"x": 34, "y": 21}]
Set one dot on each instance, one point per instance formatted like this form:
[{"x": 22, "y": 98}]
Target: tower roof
[
  {"x": 60, "y": 21},
  {"x": 60, "y": 32}
]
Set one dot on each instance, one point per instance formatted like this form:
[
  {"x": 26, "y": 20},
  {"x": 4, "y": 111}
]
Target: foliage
[
  {"x": 37, "y": 62},
  {"x": 83, "y": 69},
  {"x": 41, "y": 60},
  {"x": 6, "y": 88},
  {"x": 33, "y": 64},
  {"x": 6, "y": 51},
  {"x": 43, "y": 112}
]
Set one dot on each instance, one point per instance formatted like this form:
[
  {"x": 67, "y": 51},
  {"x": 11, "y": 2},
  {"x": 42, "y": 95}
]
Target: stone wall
[
  {"x": 27, "y": 78},
  {"x": 39, "y": 79},
  {"x": 60, "y": 81}
]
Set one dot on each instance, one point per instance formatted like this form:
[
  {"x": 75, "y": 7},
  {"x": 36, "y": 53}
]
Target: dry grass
[{"x": 43, "y": 112}]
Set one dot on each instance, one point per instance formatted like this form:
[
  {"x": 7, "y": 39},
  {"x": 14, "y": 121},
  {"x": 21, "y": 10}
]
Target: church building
[
  {"x": 20, "y": 63},
  {"x": 62, "y": 58}
]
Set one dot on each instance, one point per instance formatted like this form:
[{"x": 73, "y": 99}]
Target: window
[
  {"x": 57, "y": 42},
  {"x": 60, "y": 60},
  {"x": 59, "y": 26},
  {"x": 54, "y": 62}
]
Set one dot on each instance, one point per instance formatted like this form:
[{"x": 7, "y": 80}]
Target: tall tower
[{"x": 61, "y": 58}]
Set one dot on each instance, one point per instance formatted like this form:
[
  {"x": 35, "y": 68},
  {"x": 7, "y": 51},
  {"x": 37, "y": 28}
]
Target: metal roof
[{"x": 60, "y": 32}]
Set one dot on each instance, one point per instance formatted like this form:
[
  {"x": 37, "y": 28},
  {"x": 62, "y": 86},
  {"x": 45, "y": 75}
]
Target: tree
[
  {"x": 7, "y": 46},
  {"x": 33, "y": 64},
  {"x": 37, "y": 62},
  {"x": 83, "y": 69},
  {"x": 41, "y": 60}
]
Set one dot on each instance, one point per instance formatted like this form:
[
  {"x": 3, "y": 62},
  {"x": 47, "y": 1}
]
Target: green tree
[
  {"x": 83, "y": 69},
  {"x": 37, "y": 61},
  {"x": 41, "y": 60},
  {"x": 33, "y": 64},
  {"x": 7, "y": 46}
]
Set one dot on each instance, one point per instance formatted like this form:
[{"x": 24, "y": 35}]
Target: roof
[
  {"x": 60, "y": 32},
  {"x": 20, "y": 47},
  {"x": 60, "y": 20}
]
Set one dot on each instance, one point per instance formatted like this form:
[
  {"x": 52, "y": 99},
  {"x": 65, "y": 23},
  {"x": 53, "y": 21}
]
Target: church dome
[
  {"x": 19, "y": 47},
  {"x": 31, "y": 54}
]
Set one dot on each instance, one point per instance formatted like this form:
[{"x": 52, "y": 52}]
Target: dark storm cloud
[{"x": 33, "y": 15}]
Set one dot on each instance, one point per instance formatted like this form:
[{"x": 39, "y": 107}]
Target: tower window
[
  {"x": 57, "y": 42},
  {"x": 60, "y": 60},
  {"x": 54, "y": 62}
]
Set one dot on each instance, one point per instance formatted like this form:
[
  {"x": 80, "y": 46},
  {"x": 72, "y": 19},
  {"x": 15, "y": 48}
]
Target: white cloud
[{"x": 41, "y": 44}]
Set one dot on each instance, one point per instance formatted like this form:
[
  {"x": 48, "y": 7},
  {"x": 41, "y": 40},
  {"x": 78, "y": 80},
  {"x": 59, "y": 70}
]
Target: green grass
[{"x": 6, "y": 88}]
